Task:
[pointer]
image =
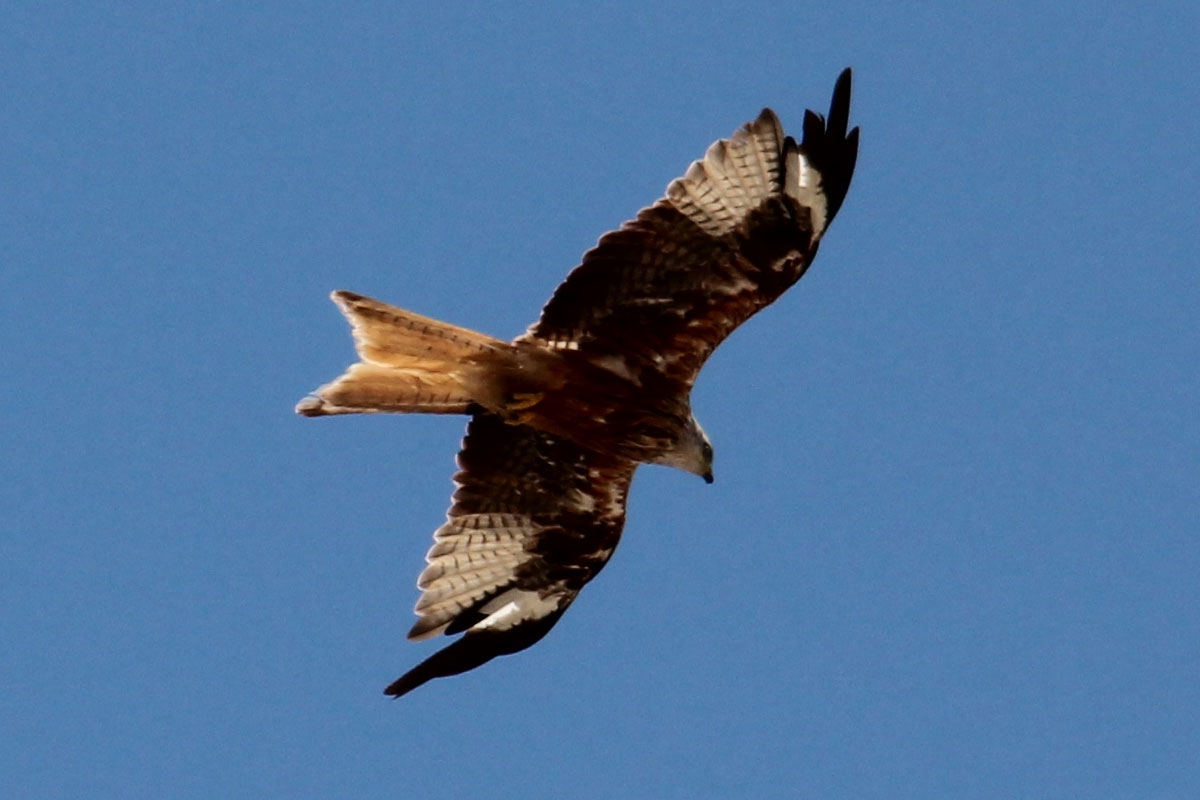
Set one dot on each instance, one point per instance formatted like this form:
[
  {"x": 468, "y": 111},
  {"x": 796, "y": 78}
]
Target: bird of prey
[{"x": 562, "y": 416}]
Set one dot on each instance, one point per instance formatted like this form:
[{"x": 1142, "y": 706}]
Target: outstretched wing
[
  {"x": 739, "y": 228},
  {"x": 533, "y": 519}
]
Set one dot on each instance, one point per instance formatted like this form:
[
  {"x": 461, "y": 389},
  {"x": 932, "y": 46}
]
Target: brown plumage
[{"x": 563, "y": 414}]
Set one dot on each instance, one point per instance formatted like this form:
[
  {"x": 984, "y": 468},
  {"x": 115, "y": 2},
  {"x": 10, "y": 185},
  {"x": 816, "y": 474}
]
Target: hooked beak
[{"x": 708, "y": 476}]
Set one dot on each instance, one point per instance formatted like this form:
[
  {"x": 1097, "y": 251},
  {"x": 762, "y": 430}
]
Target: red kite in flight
[{"x": 562, "y": 416}]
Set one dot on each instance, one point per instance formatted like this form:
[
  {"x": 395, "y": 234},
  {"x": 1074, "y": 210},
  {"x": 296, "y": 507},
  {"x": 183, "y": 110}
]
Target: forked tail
[{"x": 409, "y": 363}]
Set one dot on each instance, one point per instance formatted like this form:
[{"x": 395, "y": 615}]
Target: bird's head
[
  {"x": 706, "y": 458},
  {"x": 693, "y": 452}
]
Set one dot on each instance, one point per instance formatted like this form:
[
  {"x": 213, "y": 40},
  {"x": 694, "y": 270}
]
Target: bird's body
[
  {"x": 439, "y": 368},
  {"x": 564, "y": 414}
]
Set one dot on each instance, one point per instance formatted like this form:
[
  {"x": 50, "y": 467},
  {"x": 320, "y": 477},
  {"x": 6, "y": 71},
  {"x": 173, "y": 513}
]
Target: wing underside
[
  {"x": 731, "y": 235},
  {"x": 533, "y": 519}
]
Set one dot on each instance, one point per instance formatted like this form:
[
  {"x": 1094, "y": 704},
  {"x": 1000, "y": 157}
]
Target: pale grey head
[{"x": 693, "y": 452}]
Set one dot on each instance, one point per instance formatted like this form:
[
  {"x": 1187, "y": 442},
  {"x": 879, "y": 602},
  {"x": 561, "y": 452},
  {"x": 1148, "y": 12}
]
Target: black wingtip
[
  {"x": 474, "y": 649},
  {"x": 469, "y": 652},
  {"x": 839, "y": 105},
  {"x": 832, "y": 150}
]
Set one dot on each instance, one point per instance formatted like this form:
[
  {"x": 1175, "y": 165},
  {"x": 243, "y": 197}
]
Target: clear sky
[{"x": 951, "y": 550}]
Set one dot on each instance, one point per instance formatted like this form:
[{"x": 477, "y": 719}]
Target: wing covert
[{"x": 740, "y": 227}]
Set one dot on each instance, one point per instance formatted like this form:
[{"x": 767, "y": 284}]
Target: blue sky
[{"x": 951, "y": 550}]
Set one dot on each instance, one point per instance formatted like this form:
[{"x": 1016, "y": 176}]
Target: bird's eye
[{"x": 707, "y": 451}]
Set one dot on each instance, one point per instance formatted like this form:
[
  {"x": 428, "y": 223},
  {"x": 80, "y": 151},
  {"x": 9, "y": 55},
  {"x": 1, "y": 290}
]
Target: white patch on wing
[
  {"x": 804, "y": 183},
  {"x": 514, "y": 607}
]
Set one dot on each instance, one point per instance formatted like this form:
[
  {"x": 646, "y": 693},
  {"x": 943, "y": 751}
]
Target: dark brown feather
[
  {"x": 665, "y": 289},
  {"x": 533, "y": 516}
]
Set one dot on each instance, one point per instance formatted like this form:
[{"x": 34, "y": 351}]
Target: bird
[{"x": 562, "y": 416}]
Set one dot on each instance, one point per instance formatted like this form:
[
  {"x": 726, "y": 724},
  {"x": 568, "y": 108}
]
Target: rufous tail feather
[{"x": 409, "y": 363}]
